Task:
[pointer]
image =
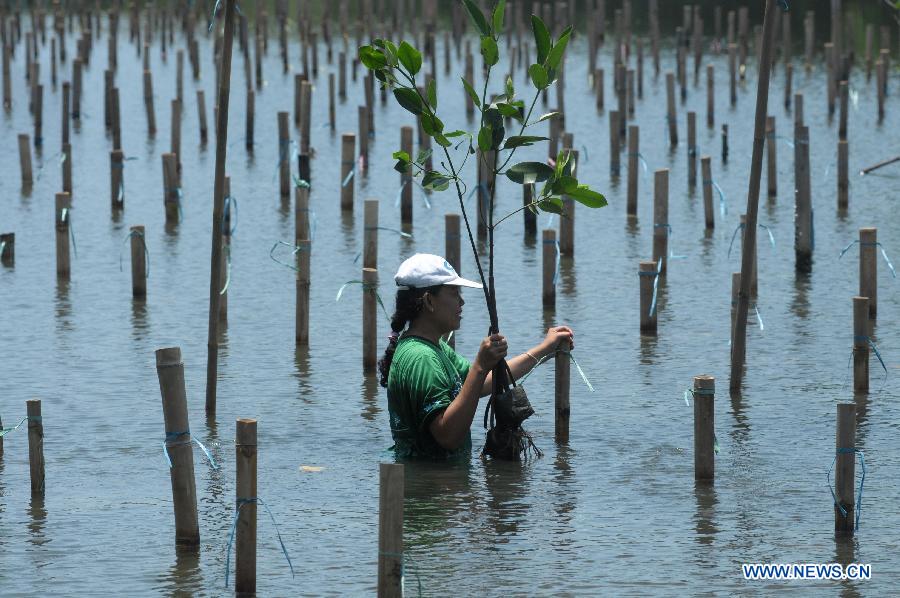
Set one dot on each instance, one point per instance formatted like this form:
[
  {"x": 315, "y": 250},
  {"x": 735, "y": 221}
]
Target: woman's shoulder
[{"x": 413, "y": 349}]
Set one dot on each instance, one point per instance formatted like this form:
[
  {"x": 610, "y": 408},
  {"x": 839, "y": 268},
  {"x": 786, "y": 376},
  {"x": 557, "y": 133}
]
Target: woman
[{"x": 432, "y": 391}]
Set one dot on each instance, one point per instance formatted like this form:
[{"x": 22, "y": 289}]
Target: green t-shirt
[{"x": 424, "y": 379}]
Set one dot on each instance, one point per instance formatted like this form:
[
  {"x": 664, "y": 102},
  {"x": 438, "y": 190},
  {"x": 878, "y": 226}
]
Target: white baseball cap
[{"x": 427, "y": 270}]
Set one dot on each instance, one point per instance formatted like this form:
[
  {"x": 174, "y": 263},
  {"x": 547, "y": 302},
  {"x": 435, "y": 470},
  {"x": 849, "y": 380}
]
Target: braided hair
[{"x": 409, "y": 305}]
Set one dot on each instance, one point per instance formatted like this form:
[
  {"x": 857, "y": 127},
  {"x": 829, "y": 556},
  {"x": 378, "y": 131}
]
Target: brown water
[{"x": 615, "y": 511}]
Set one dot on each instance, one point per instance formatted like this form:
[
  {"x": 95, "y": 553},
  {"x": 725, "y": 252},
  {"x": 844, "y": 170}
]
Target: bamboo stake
[
  {"x": 661, "y": 219},
  {"x": 633, "y": 156},
  {"x": 245, "y": 504},
  {"x": 301, "y": 329},
  {"x": 548, "y": 237},
  {"x": 201, "y": 116},
  {"x": 704, "y": 428},
  {"x": 390, "y": 530},
  {"x": 406, "y": 195},
  {"x": 7, "y": 258},
  {"x": 738, "y": 347},
  {"x": 452, "y": 240},
  {"x": 170, "y": 371},
  {"x": 348, "y": 147},
  {"x": 868, "y": 268},
  {"x": 646, "y": 277},
  {"x": 670, "y": 109},
  {"x": 771, "y": 159},
  {"x": 63, "y": 214},
  {"x": 67, "y": 168},
  {"x": 843, "y": 181},
  {"x": 284, "y": 155},
  {"x": 710, "y": 97},
  {"x": 25, "y": 160},
  {"x": 138, "y": 263},
  {"x": 804, "y": 216},
  {"x": 708, "y": 210},
  {"x": 35, "y": 446},
  {"x": 370, "y": 234},
  {"x": 692, "y": 149},
  {"x": 215, "y": 282},
  {"x": 614, "y": 143},
  {"x": 370, "y": 319},
  {"x": 845, "y": 469}
]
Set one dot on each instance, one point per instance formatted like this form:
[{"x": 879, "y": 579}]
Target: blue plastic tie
[
  {"x": 877, "y": 244},
  {"x": 349, "y": 175},
  {"x": 6, "y": 431},
  {"x": 170, "y": 441},
  {"x": 237, "y": 513},
  {"x": 722, "y": 207},
  {"x": 655, "y": 288},
  {"x": 366, "y": 287},
  {"x": 227, "y": 248},
  {"x": 868, "y": 340},
  {"x": 230, "y": 202},
  {"x": 296, "y": 248},
  {"x": 862, "y": 480}
]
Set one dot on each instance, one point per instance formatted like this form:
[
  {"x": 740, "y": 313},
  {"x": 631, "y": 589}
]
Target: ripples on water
[{"x": 616, "y": 510}]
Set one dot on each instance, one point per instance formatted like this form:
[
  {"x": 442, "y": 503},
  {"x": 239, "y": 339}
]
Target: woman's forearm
[
  {"x": 519, "y": 365},
  {"x": 451, "y": 427}
]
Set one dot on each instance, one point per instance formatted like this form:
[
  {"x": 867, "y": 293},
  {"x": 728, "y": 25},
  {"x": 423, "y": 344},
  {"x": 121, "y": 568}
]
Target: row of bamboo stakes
[{"x": 390, "y": 558}]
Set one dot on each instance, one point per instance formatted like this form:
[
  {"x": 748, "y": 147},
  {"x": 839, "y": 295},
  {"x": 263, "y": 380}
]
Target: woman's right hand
[{"x": 491, "y": 351}]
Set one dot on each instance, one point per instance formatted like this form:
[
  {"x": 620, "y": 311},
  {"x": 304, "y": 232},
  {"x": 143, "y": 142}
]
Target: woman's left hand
[{"x": 558, "y": 337}]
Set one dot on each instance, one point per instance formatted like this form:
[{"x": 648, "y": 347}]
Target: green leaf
[
  {"x": 471, "y": 91},
  {"x": 409, "y": 99},
  {"x": 423, "y": 155},
  {"x": 498, "y": 17},
  {"x": 565, "y": 184},
  {"x": 485, "y": 138},
  {"x": 522, "y": 141},
  {"x": 410, "y": 58},
  {"x": 554, "y": 205},
  {"x": 477, "y": 18},
  {"x": 372, "y": 58},
  {"x": 391, "y": 52},
  {"x": 402, "y": 166},
  {"x": 538, "y": 76},
  {"x": 510, "y": 90},
  {"x": 442, "y": 140},
  {"x": 583, "y": 195},
  {"x": 431, "y": 124},
  {"x": 556, "y": 54},
  {"x": 508, "y": 110},
  {"x": 432, "y": 94},
  {"x": 545, "y": 117},
  {"x": 400, "y": 155},
  {"x": 457, "y": 134},
  {"x": 435, "y": 181},
  {"x": 489, "y": 50},
  {"x": 529, "y": 172},
  {"x": 541, "y": 38}
]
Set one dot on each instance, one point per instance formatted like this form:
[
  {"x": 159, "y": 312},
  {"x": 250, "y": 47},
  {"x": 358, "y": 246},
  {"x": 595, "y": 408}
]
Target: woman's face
[{"x": 444, "y": 307}]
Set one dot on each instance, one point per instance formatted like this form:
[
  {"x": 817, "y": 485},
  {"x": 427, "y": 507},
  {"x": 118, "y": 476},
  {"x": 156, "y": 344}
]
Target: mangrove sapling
[{"x": 396, "y": 68}]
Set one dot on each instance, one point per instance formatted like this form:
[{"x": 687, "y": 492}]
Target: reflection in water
[
  {"x": 507, "y": 487},
  {"x": 371, "y": 392},
  {"x": 437, "y": 493},
  {"x": 139, "y": 323},
  {"x": 648, "y": 351},
  {"x": 350, "y": 242},
  {"x": 63, "y": 305},
  {"x": 565, "y": 494},
  {"x": 845, "y": 554},
  {"x": 704, "y": 519},
  {"x": 284, "y": 208},
  {"x": 301, "y": 372},
  {"x": 38, "y": 515},
  {"x": 549, "y": 318},
  {"x": 861, "y": 399},
  {"x": 802, "y": 286},
  {"x": 215, "y": 491},
  {"x": 184, "y": 577},
  {"x": 567, "y": 275}
]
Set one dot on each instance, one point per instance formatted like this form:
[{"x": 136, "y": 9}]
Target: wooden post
[
  {"x": 390, "y": 530},
  {"x": 708, "y": 210},
  {"x": 76, "y": 89},
  {"x": 803, "y": 222},
  {"x": 63, "y": 216},
  {"x": 7, "y": 256},
  {"x": 561, "y": 395},
  {"x": 868, "y": 268},
  {"x": 284, "y": 155},
  {"x": 753, "y": 280},
  {"x": 305, "y": 116},
  {"x": 66, "y": 95},
  {"x": 738, "y": 347},
  {"x": 567, "y": 219},
  {"x": 201, "y": 116},
  {"x": 370, "y": 234},
  {"x": 172, "y": 191},
  {"x": 179, "y": 75},
  {"x": 661, "y": 219},
  {"x": 35, "y": 446},
  {"x": 116, "y": 118},
  {"x": 348, "y": 160},
  {"x": 301, "y": 329},
  {"x": 843, "y": 182},
  {"x": 692, "y": 149},
  {"x": 845, "y": 469},
  {"x": 735, "y": 294},
  {"x": 245, "y": 504},
  {"x": 870, "y": 34},
  {"x": 704, "y": 428},
  {"x": 633, "y": 157},
  {"x": 842, "y": 127},
  {"x": 772, "y": 160},
  {"x": 331, "y": 110},
  {"x": 370, "y": 319},
  {"x": 614, "y": 143},
  {"x": 342, "y": 75},
  {"x": 363, "y": 123},
  {"x": 880, "y": 83},
  {"x": 732, "y": 73},
  {"x": 861, "y": 344},
  {"x": 38, "y": 115},
  {"x": 138, "y": 263},
  {"x": 788, "y": 84},
  {"x": 830, "y": 71},
  {"x": 598, "y": 87},
  {"x": 670, "y": 109},
  {"x": 148, "y": 102},
  {"x": 406, "y": 195},
  {"x": 251, "y": 107},
  {"x": 548, "y": 237},
  {"x": 170, "y": 371},
  {"x": 647, "y": 277},
  {"x": 7, "y": 82},
  {"x": 67, "y": 168},
  {"x": 530, "y": 217},
  {"x": 710, "y": 97},
  {"x": 25, "y": 160},
  {"x": 452, "y": 240}
]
